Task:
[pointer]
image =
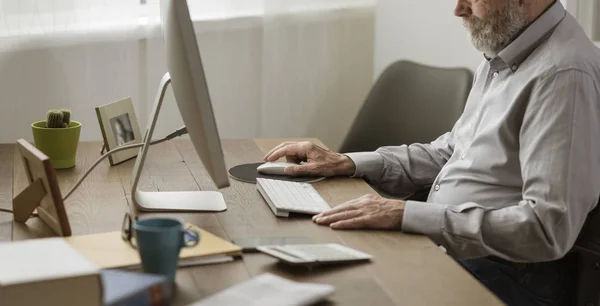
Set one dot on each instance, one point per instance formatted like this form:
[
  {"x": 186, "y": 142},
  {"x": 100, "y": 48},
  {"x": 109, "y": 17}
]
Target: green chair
[{"x": 409, "y": 103}]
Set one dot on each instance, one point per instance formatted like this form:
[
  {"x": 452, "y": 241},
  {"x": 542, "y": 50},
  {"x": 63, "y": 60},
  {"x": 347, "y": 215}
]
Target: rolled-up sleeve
[{"x": 560, "y": 166}]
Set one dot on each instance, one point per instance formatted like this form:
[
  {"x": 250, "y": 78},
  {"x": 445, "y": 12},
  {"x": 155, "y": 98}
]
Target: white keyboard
[
  {"x": 284, "y": 197},
  {"x": 309, "y": 254}
]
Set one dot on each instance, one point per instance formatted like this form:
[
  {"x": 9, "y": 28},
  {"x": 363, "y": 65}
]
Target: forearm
[
  {"x": 524, "y": 232},
  {"x": 403, "y": 169}
]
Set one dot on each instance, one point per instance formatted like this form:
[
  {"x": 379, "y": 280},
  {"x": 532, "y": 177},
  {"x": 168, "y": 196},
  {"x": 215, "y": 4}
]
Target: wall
[
  {"x": 425, "y": 31},
  {"x": 293, "y": 77}
]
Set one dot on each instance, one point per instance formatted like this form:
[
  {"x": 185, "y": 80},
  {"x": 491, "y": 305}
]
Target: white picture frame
[{"x": 119, "y": 127}]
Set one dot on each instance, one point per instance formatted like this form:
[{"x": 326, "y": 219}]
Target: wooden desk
[{"x": 406, "y": 270}]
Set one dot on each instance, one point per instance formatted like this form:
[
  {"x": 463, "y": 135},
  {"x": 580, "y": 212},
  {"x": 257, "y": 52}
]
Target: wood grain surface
[
  {"x": 406, "y": 269},
  {"x": 6, "y": 192}
]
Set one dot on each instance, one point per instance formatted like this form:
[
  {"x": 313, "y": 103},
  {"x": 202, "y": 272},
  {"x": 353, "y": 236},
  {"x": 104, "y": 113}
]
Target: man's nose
[{"x": 463, "y": 8}]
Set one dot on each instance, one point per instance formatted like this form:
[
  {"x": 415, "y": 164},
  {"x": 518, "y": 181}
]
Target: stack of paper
[{"x": 269, "y": 290}]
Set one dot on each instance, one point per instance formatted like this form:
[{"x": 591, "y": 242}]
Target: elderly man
[{"x": 512, "y": 183}]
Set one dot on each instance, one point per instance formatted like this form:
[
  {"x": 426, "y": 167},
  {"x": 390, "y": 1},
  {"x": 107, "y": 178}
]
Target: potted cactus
[{"x": 58, "y": 137}]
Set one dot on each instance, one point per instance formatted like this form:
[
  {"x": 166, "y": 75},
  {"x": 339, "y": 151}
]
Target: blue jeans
[{"x": 545, "y": 283}]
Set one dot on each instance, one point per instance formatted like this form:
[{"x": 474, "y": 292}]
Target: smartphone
[{"x": 249, "y": 245}]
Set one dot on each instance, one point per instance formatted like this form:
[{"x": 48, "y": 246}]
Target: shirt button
[
  {"x": 496, "y": 74},
  {"x": 462, "y": 156},
  {"x": 514, "y": 67},
  {"x": 436, "y": 187}
]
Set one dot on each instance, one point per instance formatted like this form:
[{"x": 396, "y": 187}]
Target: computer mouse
[{"x": 274, "y": 168}]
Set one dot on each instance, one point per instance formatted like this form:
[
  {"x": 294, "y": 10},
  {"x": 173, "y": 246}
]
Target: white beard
[{"x": 494, "y": 33}]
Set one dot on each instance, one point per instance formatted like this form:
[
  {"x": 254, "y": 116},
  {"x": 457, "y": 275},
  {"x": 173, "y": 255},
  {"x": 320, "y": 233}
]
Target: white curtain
[
  {"x": 29, "y": 17},
  {"x": 46, "y": 16},
  {"x": 41, "y": 22},
  {"x": 316, "y": 73},
  {"x": 275, "y": 68}
]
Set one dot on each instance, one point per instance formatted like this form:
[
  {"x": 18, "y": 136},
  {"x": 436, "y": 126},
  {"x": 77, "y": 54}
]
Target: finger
[
  {"x": 350, "y": 205},
  {"x": 322, "y": 148},
  {"x": 292, "y": 149},
  {"x": 293, "y": 159},
  {"x": 345, "y": 215},
  {"x": 279, "y": 146},
  {"x": 309, "y": 169},
  {"x": 304, "y": 169},
  {"x": 354, "y": 223}
]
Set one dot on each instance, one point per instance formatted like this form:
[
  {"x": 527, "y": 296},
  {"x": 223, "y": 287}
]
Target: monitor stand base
[
  {"x": 180, "y": 201},
  {"x": 200, "y": 201}
]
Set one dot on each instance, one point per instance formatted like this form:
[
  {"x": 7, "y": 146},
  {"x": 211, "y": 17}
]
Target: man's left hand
[{"x": 369, "y": 211}]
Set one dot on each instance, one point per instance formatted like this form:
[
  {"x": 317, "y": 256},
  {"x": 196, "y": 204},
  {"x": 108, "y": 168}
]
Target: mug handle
[
  {"x": 190, "y": 237},
  {"x": 127, "y": 231}
]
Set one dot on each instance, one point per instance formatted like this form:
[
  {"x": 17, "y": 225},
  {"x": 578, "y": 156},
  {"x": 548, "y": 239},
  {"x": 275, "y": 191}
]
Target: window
[
  {"x": 30, "y": 17},
  {"x": 21, "y": 18}
]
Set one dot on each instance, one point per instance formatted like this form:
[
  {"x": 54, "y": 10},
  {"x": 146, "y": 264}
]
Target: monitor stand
[{"x": 206, "y": 201}]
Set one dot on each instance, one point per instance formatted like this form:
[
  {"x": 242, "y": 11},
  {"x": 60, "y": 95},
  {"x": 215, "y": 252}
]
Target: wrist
[
  {"x": 398, "y": 213},
  {"x": 345, "y": 165}
]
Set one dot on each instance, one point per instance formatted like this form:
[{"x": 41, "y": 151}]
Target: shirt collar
[{"x": 518, "y": 50}]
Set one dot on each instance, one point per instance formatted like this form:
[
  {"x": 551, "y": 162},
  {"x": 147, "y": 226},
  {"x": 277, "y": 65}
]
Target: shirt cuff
[
  {"x": 423, "y": 218},
  {"x": 367, "y": 163}
]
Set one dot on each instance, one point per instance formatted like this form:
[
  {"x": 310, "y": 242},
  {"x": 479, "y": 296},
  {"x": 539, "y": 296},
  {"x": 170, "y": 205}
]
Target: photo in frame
[{"x": 119, "y": 126}]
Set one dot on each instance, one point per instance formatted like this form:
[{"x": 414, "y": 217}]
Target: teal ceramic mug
[{"x": 159, "y": 242}]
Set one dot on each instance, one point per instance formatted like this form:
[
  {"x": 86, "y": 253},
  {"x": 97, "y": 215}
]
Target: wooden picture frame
[
  {"x": 119, "y": 126},
  {"x": 43, "y": 192}
]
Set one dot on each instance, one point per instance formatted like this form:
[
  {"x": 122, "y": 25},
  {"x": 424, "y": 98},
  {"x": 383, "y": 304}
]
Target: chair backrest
[{"x": 409, "y": 103}]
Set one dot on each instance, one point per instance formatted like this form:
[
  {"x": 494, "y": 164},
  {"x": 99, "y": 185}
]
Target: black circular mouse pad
[{"x": 248, "y": 173}]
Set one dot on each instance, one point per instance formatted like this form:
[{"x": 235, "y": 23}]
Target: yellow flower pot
[{"x": 59, "y": 144}]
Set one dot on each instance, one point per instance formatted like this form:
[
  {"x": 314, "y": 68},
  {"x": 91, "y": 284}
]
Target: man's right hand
[{"x": 313, "y": 160}]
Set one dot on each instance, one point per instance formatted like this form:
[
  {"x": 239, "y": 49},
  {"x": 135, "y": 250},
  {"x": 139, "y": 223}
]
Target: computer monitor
[{"x": 186, "y": 75}]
